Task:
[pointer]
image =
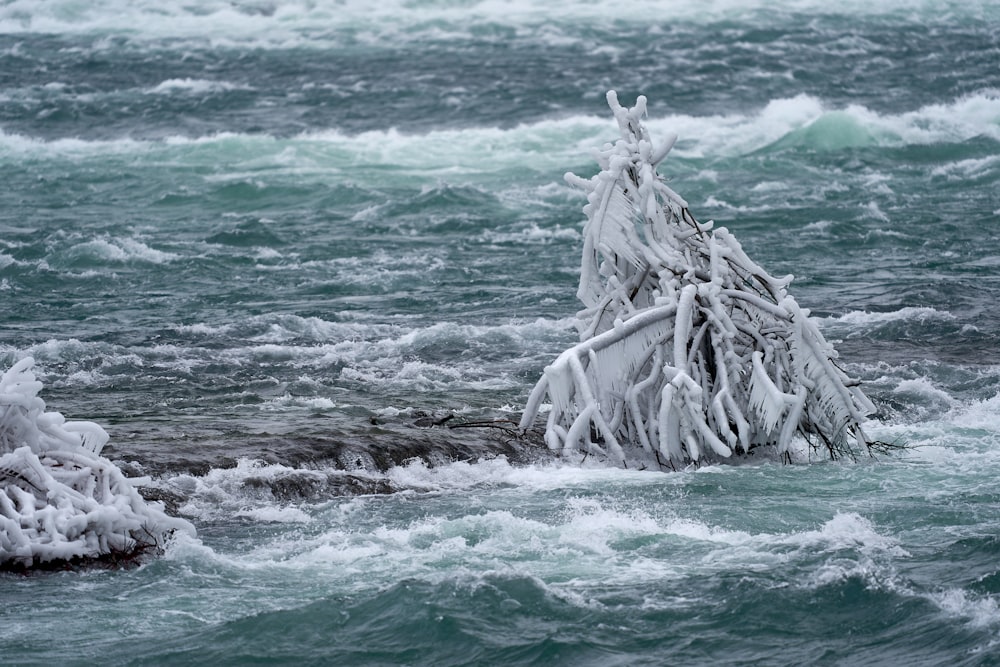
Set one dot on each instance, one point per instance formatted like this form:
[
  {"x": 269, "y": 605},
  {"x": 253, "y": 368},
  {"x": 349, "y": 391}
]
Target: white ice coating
[
  {"x": 60, "y": 500},
  {"x": 689, "y": 350}
]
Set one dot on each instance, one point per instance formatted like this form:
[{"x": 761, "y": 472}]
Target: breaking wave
[
  {"x": 547, "y": 146},
  {"x": 267, "y": 24}
]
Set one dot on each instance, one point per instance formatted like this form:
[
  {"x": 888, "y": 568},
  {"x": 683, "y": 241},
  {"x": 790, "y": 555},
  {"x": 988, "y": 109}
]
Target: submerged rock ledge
[{"x": 344, "y": 461}]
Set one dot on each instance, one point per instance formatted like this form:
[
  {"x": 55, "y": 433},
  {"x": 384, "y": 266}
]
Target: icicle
[
  {"x": 669, "y": 425},
  {"x": 682, "y": 329},
  {"x": 767, "y": 401}
]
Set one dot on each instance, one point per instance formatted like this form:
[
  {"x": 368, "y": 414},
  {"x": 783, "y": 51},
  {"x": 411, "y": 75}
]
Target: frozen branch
[
  {"x": 689, "y": 350},
  {"x": 60, "y": 500}
]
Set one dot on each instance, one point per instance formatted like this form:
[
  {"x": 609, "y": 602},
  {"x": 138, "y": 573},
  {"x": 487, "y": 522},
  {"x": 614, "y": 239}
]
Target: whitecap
[
  {"x": 544, "y": 147},
  {"x": 962, "y": 170},
  {"x": 909, "y": 313},
  {"x": 978, "y": 611},
  {"x": 983, "y": 415},
  {"x": 925, "y": 389},
  {"x": 276, "y": 515},
  {"x": 194, "y": 86},
  {"x": 329, "y": 22},
  {"x": 288, "y": 402},
  {"x": 121, "y": 251}
]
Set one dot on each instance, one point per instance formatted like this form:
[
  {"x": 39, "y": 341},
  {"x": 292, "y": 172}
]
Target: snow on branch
[
  {"x": 689, "y": 351},
  {"x": 60, "y": 500}
]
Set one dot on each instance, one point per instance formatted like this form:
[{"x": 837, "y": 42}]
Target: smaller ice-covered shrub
[{"x": 60, "y": 500}]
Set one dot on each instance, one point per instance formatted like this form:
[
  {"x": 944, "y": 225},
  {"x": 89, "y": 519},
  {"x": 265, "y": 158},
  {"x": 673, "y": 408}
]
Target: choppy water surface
[{"x": 256, "y": 241}]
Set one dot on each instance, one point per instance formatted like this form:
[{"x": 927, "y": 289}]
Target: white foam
[
  {"x": 849, "y": 530},
  {"x": 770, "y": 186},
  {"x": 288, "y": 402},
  {"x": 963, "y": 170},
  {"x": 873, "y": 211},
  {"x": 534, "y": 234},
  {"x": 962, "y": 439},
  {"x": 221, "y": 23},
  {"x": 910, "y": 313},
  {"x": 983, "y": 415},
  {"x": 122, "y": 251},
  {"x": 925, "y": 388},
  {"x": 498, "y": 472},
  {"x": 202, "y": 329},
  {"x": 545, "y": 147},
  {"x": 276, "y": 515},
  {"x": 17, "y": 145},
  {"x": 224, "y": 492},
  {"x": 561, "y": 524},
  {"x": 980, "y": 612},
  {"x": 194, "y": 86},
  {"x": 6, "y": 260}
]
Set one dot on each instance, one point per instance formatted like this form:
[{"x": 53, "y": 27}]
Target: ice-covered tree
[
  {"x": 689, "y": 351},
  {"x": 60, "y": 500}
]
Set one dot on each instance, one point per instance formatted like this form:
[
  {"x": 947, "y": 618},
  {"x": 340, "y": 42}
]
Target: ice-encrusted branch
[
  {"x": 60, "y": 500},
  {"x": 689, "y": 350}
]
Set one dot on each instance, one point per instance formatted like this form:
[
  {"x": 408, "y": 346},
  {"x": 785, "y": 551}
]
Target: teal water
[{"x": 256, "y": 241}]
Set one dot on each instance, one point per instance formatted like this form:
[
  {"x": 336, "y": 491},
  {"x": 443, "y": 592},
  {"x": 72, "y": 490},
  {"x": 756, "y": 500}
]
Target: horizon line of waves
[
  {"x": 337, "y": 21},
  {"x": 803, "y": 121}
]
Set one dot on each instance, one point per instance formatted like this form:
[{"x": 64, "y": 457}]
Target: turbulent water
[{"x": 258, "y": 242}]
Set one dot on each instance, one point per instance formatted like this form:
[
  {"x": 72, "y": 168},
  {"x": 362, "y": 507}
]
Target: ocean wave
[
  {"x": 979, "y": 611},
  {"x": 960, "y": 437},
  {"x": 333, "y": 21},
  {"x": 981, "y": 415},
  {"x": 923, "y": 390},
  {"x": 115, "y": 251},
  {"x": 18, "y": 146},
  {"x": 546, "y": 146},
  {"x": 288, "y": 335},
  {"x": 608, "y": 535},
  {"x": 606, "y": 548},
  {"x": 194, "y": 86},
  {"x": 292, "y": 365},
  {"x": 968, "y": 169},
  {"x": 858, "y": 318},
  {"x": 806, "y": 121},
  {"x": 268, "y": 492}
]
